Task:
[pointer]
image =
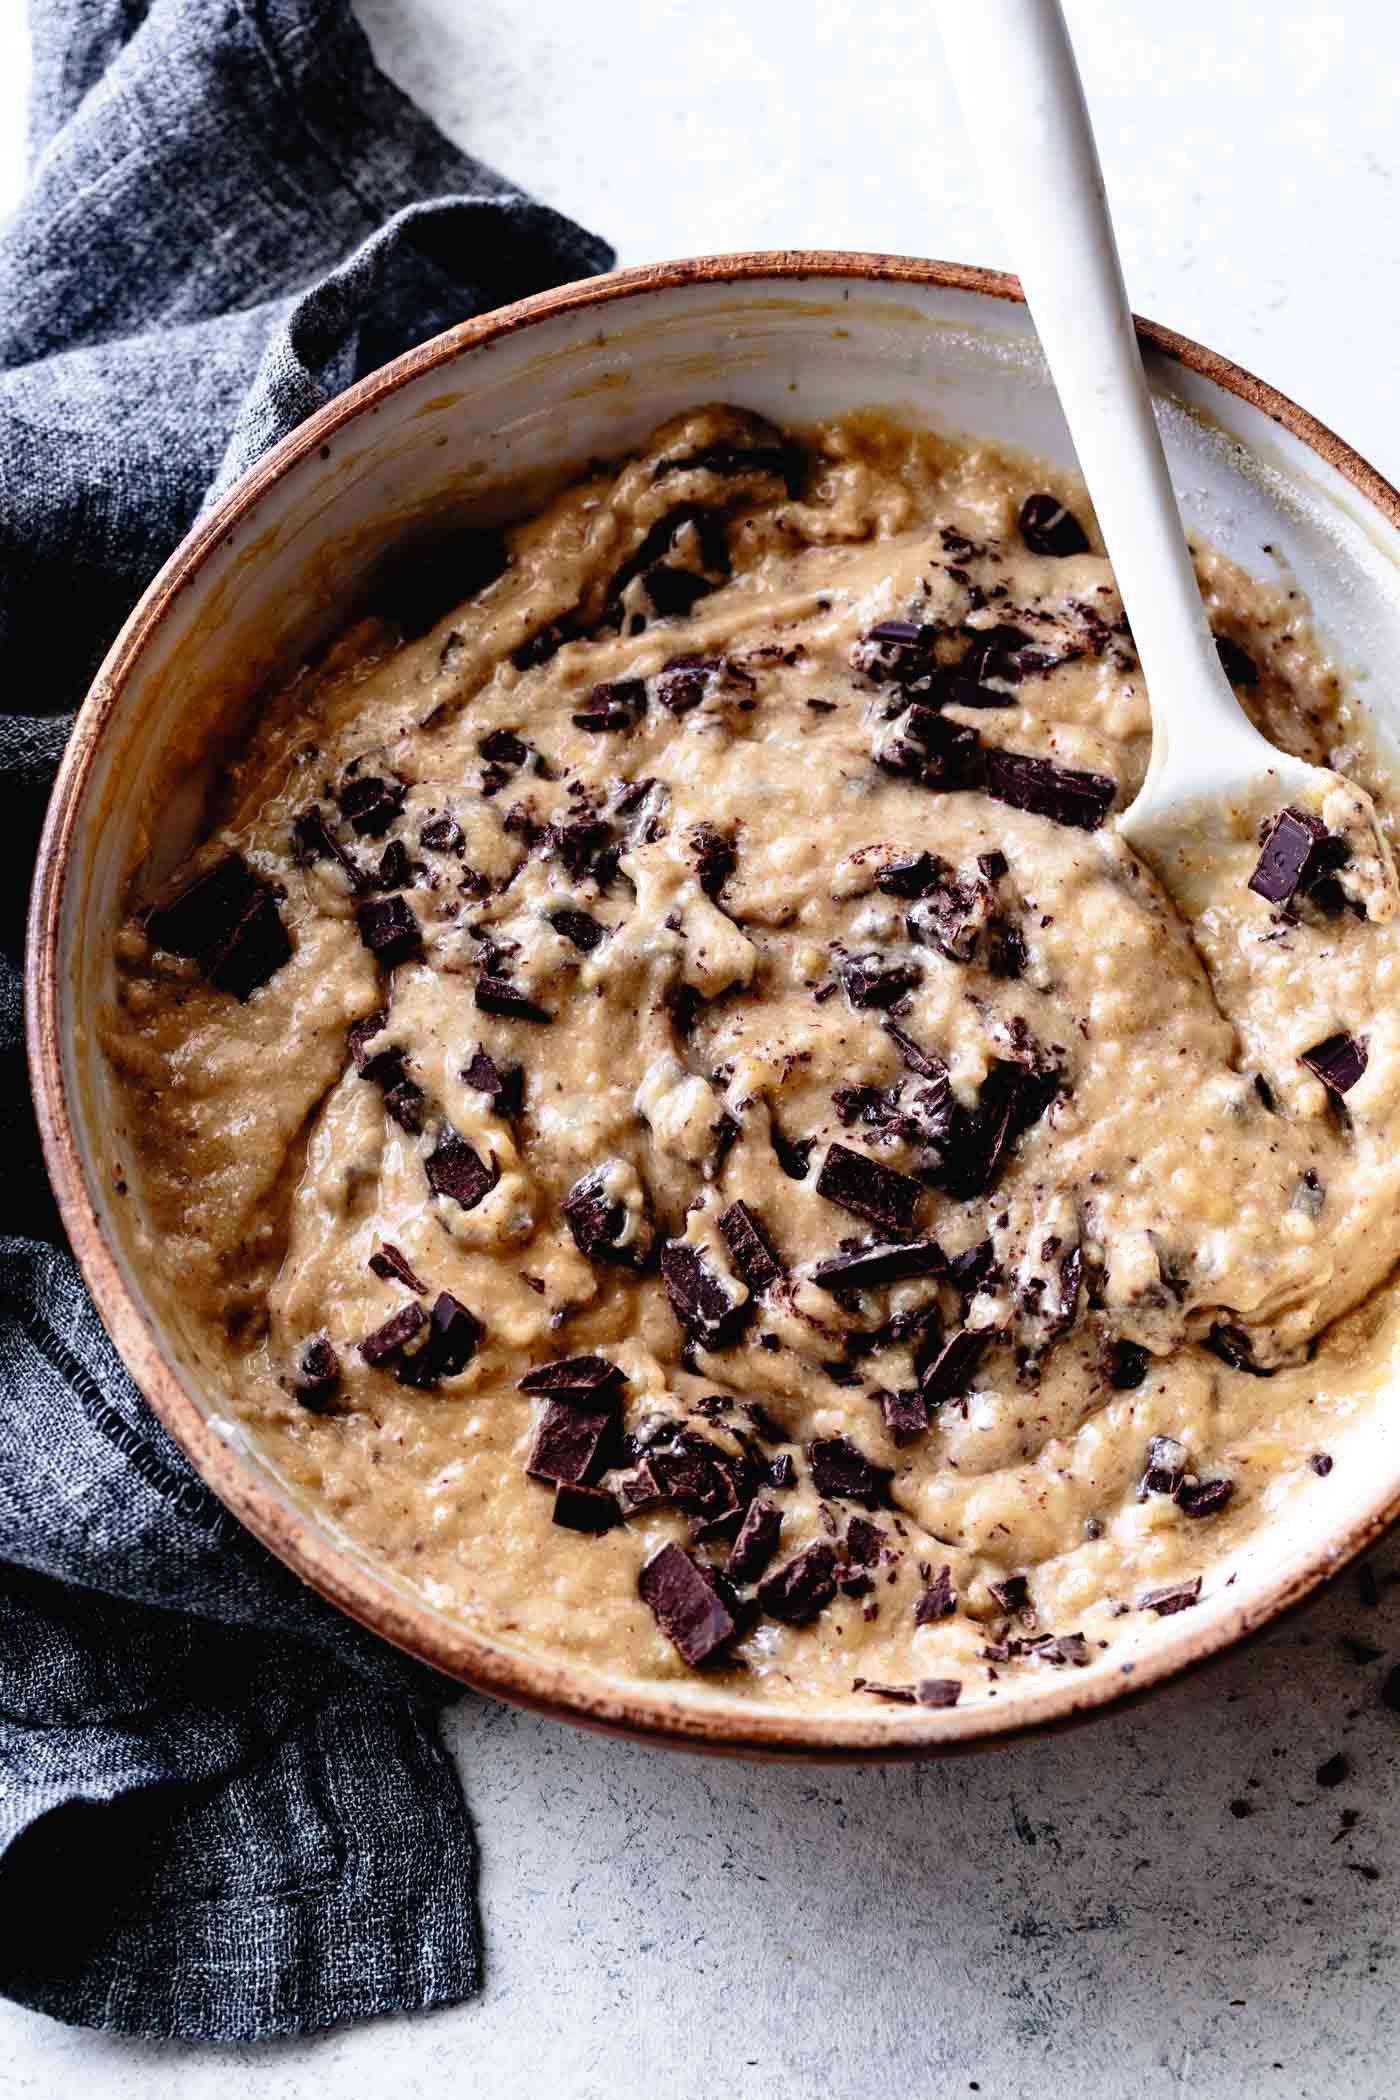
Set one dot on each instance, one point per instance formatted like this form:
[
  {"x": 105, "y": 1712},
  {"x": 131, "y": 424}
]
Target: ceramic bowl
[{"x": 468, "y": 424}]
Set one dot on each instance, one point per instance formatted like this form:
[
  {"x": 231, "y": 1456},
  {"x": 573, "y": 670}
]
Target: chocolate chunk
[
  {"x": 916, "y": 875},
  {"x": 575, "y": 1440},
  {"x": 897, "y": 1694},
  {"x": 756, "y": 1543},
  {"x": 950, "y": 1375},
  {"x": 1321, "y": 1464},
  {"x": 580, "y": 927},
  {"x": 994, "y": 865},
  {"x": 1000, "y": 652},
  {"x": 687, "y": 1603},
  {"x": 577, "y": 1379},
  {"x": 442, "y": 835},
  {"x": 394, "y": 871},
  {"x": 684, "y": 682},
  {"x": 727, "y": 458},
  {"x": 1081, "y": 800},
  {"x": 1232, "y": 1345},
  {"x": 1333, "y": 1770},
  {"x": 359, "y": 1037},
  {"x": 639, "y": 1491},
  {"x": 918, "y": 1060},
  {"x": 937, "y": 1601},
  {"x": 451, "y": 1343},
  {"x": 436, "y": 580},
  {"x": 1012, "y": 1593},
  {"x": 1012, "y": 1098},
  {"x": 389, "y": 930},
  {"x": 613, "y": 706},
  {"x": 585, "y": 1508},
  {"x": 793, "y": 1155},
  {"x": 1288, "y": 845},
  {"x": 951, "y": 918},
  {"x": 905, "y": 1413},
  {"x": 317, "y": 1376},
  {"x": 872, "y": 981},
  {"x": 255, "y": 950},
  {"x": 782, "y": 1471},
  {"x": 599, "y": 1222},
  {"x": 1165, "y": 1468},
  {"x": 841, "y": 1470},
  {"x": 1062, "y": 1648},
  {"x": 544, "y": 643},
  {"x": 1007, "y": 953},
  {"x": 802, "y": 1587},
  {"x": 750, "y": 1248},
  {"x": 1204, "y": 1498},
  {"x": 203, "y": 916},
  {"x": 316, "y": 841},
  {"x": 879, "y": 1261},
  {"x": 385, "y": 1342},
  {"x": 715, "y": 858},
  {"x": 504, "y": 748},
  {"x": 938, "y": 1691},
  {"x": 504, "y": 1083},
  {"x": 369, "y": 805},
  {"x": 454, "y": 1169},
  {"x": 587, "y": 846},
  {"x": 699, "y": 1298},
  {"x": 726, "y": 1137},
  {"x": 387, "y": 1261},
  {"x": 1048, "y": 528},
  {"x": 895, "y": 652},
  {"x": 1178, "y": 1596},
  {"x": 1235, "y": 661},
  {"x": 1338, "y": 1062},
  {"x": 869, "y": 1190},
  {"x": 1125, "y": 1365},
  {"x": 925, "y": 746},
  {"x": 497, "y": 995},
  {"x": 864, "y": 1542},
  {"x": 973, "y": 1270}
]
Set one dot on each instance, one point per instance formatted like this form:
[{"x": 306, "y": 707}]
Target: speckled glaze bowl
[{"x": 474, "y": 423}]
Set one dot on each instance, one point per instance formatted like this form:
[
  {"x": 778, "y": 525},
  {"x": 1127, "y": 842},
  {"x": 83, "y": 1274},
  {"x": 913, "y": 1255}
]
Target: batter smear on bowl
[{"x": 686, "y": 1134}]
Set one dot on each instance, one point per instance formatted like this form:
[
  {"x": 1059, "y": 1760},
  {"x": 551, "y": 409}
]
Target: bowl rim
[{"x": 558, "y": 1688}]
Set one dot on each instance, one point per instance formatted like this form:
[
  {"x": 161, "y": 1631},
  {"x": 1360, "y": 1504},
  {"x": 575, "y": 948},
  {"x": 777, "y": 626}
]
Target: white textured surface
[{"x": 1079, "y": 1916}]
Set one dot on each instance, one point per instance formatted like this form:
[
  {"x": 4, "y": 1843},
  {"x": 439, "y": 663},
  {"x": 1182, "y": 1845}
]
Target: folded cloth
[{"x": 224, "y": 1809}]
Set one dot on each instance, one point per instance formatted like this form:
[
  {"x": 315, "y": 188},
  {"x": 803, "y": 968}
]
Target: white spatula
[{"x": 1212, "y": 776}]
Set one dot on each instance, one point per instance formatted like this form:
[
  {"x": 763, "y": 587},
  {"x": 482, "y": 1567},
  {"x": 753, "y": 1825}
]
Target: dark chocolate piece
[
  {"x": 613, "y": 706},
  {"x": 950, "y": 1375},
  {"x": 794, "y": 1155},
  {"x": 897, "y": 1694},
  {"x": 497, "y": 995},
  {"x": 387, "y": 1261},
  {"x": 394, "y": 871},
  {"x": 725, "y": 457},
  {"x": 756, "y": 1543},
  {"x": 1081, "y": 800},
  {"x": 750, "y": 1248},
  {"x": 1165, "y": 1468},
  {"x": 906, "y": 1414},
  {"x": 782, "y": 1471},
  {"x": 404, "y": 1103},
  {"x": 369, "y": 805},
  {"x": 937, "y": 1601},
  {"x": 1012, "y": 1593},
  {"x": 578, "y": 1379},
  {"x": 916, "y": 875},
  {"x": 802, "y": 1587},
  {"x": 688, "y": 1604},
  {"x": 925, "y": 746},
  {"x": 973, "y": 1269},
  {"x": 316, "y": 841},
  {"x": 1286, "y": 848},
  {"x": 504, "y": 1083},
  {"x": 872, "y": 981},
  {"x": 1232, "y": 1345},
  {"x": 716, "y": 858},
  {"x": 1235, "y": 661},
  {"x": 1007, "y": 953},
  {"x": 585, "y": 1508},
  {"x": 574, "y": 1442},
  {"x": 204, "y": 915},
  {"x": 1338, "y": 1062},
  {"x": 359, "y": 1037},
  {"x": 841, "y": 1470},
  {"x": 879, "y": 1261},
  {"x": 598, "y": 1223},
  {"x": 451, "y": 1343},
  {"x": 1321, "y": 1464},
  {"x": 951, "y": 918},
  {"x": 1062, "y": 1648},
  {"x": 869, "y": 1190},
  {"x": 918, "y": 1060},
  {"x": 895, "y": 652},
  {"x": 389, "y": 930},
  {"x": 454, "y": 1169},
  {"x": 1125, "y": 1365},
  {"x": 504, "y": 748},
  {"x": 255, "y": 950},
  {"x": 1333, "y": 1770},
  {"x": 442, "y": 835},
  {"x": 700, "y": 1300},
  {"x": 1177, "y": 1596},
  {"x": 580, "y": 927},
  {"x": 587, "y": 847},
  {"x": 1048, "y": 528},
  {"x": 317, "y": 1378},
  {"x": 864, "y": 1542},
  {"x": 938, "y": 1691},
  {"x": 385, "y": 1342},
  {"x": 1204, "y": 1498}
]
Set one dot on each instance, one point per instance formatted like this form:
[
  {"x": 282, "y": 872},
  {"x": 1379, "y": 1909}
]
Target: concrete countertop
[{"x": 1168, "y": 1901}]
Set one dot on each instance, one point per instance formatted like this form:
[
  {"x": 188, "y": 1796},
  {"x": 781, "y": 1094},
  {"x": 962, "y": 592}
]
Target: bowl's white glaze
[{"x": 461, "y": 426}]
